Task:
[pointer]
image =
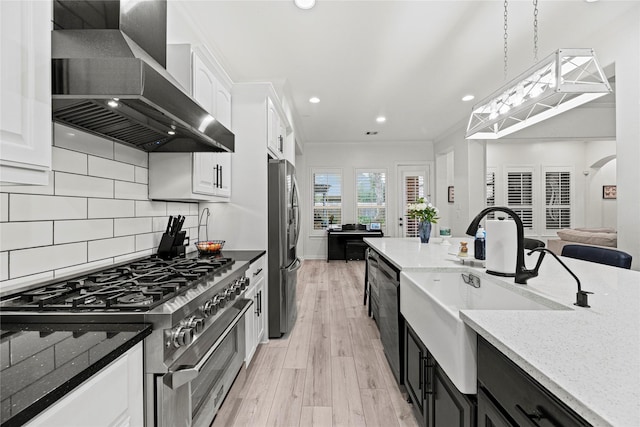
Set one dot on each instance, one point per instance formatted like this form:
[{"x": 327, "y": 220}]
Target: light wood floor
[{"x": 329, "y": 371}]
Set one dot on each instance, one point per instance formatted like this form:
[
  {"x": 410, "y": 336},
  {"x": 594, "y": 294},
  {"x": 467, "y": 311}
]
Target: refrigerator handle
[
  {"x": 295, "y": 265},
  {"x": 297, "y": 196}
]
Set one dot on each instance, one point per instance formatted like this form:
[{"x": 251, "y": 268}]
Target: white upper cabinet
[
  {"x": 25, "y": 75},
  {"x": 276, "y": 130},
  {"x": 194, "y": 176}
]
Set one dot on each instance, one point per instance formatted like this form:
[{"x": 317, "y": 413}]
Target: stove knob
[
  {"x": 182, "y": 336},
  {"x": 218, "y": 302},
  {"x": 245, "y": 282},
  {"x": 229, "y": 294},
  {"x": 195, "y": 323},
  {"x": 237, "y": 287},
  {"x": 206, "y": 309}
]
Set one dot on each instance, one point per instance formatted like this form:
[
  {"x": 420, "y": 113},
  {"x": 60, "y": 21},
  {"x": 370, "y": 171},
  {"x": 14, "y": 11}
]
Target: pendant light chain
[
  {"x": 505, "y": 39},
  {"x": 535, "y": 30}
]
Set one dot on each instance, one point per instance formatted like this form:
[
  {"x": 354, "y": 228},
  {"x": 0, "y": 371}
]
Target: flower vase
[{"x": 424, "y": 231}]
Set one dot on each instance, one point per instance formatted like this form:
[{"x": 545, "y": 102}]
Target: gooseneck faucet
[
  {"x": 581, "y": 296},
  {"x": 521, "y": 273}
]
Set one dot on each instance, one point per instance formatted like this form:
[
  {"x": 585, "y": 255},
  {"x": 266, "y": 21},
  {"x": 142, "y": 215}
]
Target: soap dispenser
[{"x": 479, "y": 244}]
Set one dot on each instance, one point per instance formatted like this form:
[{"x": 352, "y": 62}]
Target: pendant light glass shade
[{"x": 563, "y": 80}]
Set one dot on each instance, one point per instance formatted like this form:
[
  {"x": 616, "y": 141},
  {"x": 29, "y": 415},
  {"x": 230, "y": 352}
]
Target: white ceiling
[{"x": 411, "y": 61}]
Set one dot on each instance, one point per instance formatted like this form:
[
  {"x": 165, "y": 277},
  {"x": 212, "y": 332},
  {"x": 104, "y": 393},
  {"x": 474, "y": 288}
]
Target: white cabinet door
[
  {"x": 204, "y": 173},
  {"x": 25, "y": 104},
  {"x": 261, "y": 316},
  {"x": 251, "y": 343},
  {"x": 273, "y": 129},
  {"x": 204, "y": 85},
  {"x": 223, "y": 105},
  {"x": 112, "y": 397}
]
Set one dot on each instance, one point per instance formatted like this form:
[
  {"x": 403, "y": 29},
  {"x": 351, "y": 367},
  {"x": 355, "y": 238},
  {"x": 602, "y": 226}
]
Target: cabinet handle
[
  {"x": 258, "y": 271},
  {"x": 220, "y": 179},
  {"x": 259, "y": 303},
  {"x": 428, "y": 389},
  {"x": 538, "y": 413},
  {"x": 420, "y": 371}
]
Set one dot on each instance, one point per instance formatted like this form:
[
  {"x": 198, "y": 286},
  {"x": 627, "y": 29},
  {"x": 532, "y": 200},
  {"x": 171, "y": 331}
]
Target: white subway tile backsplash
[
  {"x": 19, "y": 235},
  {"x": 4, "y": 265},
  {"x": 111, "y": 208},
  {"x": 82, "y": 230},
  {"x": 142, "y": 175},
  {"x": 148, "y": 241},
  {"x": 27, "y": 207},
  {"x": 150, "y": 208},
  {"x": 177, "y": 208},
  {"x": 30, "y": 189},
  {"x": 106, "y": 168},
  {"x": 36, "y": 260},
  {"x": 69, "y": 161},
  {"x": 159, "y": 223},
  {"x": 131, "y": 190},
  {"x": 83, "y": 142},
  {"x": 134, "y": 255},
  {"x": 128, "y": 226},
  {"x": 21, "y": 282},
  {"x": 4, "y": 207},
  {"x": 106, "y": 248},
  {"x": 77, "y": 269},
  {"x": 68, "y": 184},
  {"x": 190, "y": 221},
  {"x": 124, "y": 153}
]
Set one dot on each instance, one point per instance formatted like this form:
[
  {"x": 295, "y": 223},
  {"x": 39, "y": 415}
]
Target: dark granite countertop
[
  {"x": 244, "y": 255},
  {"x": 39, "y": 363}
]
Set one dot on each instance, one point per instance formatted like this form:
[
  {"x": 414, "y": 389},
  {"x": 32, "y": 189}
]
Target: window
[
  {"x": 327, "y": 198},
  {"x": 414, "y": 189},
  {"x": 520, "y": 195},
  {"x": 557, "y": 199},
  {"x": 371, "y": 197}
]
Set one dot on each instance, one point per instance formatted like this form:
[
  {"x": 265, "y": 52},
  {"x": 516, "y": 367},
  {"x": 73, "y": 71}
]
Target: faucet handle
[{"x": 582, "y": 298}]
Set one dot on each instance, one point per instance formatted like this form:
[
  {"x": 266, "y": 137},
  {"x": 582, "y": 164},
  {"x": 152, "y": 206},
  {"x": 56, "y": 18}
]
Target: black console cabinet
[
  {"x": 348, "y": 244},
  {"x": 508, "y": 396}
]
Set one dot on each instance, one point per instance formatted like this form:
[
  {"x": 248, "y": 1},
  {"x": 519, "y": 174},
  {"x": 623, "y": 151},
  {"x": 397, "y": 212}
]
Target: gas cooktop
[{"x": 134, "y": 287}]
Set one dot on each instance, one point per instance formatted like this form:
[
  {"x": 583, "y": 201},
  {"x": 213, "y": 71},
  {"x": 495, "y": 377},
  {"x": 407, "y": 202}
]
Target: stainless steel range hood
[{"x": 109, "y": 78}]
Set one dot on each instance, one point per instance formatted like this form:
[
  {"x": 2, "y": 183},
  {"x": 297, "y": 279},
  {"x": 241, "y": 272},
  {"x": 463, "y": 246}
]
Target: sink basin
[{"x": 431, "y": 303}]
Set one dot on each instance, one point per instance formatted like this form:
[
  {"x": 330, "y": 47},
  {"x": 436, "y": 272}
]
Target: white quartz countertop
[{"x": 588, "y": 357}]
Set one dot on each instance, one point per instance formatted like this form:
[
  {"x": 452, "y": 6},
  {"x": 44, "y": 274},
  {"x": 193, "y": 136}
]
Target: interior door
[{"x": 414, "y": 183}]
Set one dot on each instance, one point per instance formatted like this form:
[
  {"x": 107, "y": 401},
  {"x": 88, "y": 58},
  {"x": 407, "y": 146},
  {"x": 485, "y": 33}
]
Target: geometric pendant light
[{"x": 563, "y": 80}]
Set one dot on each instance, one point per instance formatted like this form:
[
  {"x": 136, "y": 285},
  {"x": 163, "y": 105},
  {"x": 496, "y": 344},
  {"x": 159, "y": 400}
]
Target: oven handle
[{"x": 176, "y": 379}]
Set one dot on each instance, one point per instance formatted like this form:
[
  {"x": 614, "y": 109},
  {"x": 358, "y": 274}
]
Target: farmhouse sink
[{"x": 431, "y": 303}]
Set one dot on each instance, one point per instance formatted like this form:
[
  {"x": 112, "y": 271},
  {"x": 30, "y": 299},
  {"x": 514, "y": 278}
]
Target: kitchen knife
[
  {"x": 169, "y": 224},
  {"x": 174, "y": 225},
  {"x": 180, "y": 222}
]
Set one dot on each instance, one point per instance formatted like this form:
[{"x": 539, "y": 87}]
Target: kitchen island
[{"x": 589, "y": 358}]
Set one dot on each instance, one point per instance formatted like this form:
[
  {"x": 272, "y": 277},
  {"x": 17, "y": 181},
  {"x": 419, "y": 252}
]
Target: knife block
[{"x": 172, "y": 246}]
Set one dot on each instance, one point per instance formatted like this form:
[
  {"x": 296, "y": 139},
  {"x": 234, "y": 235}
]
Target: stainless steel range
[{"x": 196, "y": 308}]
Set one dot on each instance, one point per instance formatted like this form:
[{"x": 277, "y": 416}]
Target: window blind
[
  {"x": 557, "y": 200},
  {"x": 371, "y": 203},
  {"x": 327, "y": 199},
  {"x": 491, "y": 192},
  {"x": 520, "y": 196}
]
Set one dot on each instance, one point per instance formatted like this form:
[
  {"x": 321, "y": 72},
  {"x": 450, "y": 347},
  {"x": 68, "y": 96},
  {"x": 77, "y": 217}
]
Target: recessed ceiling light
[
  {"x": 468, "y": 97},
  {"x": 381, "y": 119},
  {"x": 591, "y": 1},
  {"x": 305, "y": 4},
  {"x": 314, "y": 100}
]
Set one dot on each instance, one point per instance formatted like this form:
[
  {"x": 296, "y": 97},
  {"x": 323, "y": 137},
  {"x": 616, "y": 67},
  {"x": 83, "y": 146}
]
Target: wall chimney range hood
[{"x": 109, "y": 79}]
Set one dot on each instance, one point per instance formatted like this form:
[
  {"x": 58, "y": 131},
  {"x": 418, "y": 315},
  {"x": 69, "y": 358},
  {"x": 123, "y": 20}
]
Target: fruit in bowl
[{"x": 209, "y": 246}]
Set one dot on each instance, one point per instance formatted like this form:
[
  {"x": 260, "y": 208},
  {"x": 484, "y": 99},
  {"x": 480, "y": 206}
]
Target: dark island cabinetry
[{"x": 508, "y": 396}]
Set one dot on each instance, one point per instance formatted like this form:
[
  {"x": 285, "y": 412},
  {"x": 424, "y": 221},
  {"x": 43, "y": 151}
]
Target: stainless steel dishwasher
[{"x": 385, "y": 304}]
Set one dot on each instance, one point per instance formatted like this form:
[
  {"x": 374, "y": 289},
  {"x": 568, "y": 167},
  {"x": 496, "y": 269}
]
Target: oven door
[{"x": 193, "y": 389}]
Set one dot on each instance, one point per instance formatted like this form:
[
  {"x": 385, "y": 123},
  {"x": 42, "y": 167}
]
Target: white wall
[
  {"x": 94, "y": 212},
  {"x": 348, "y": 157}
]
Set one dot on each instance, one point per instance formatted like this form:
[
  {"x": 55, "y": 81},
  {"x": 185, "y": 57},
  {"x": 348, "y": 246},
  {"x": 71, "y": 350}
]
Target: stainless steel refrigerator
[{"x": 284, "y": 229}]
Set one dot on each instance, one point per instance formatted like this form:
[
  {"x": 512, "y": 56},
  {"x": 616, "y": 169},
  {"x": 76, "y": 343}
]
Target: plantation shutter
[
  {"x": 414, "y": 189},
  {"x": 371, "y": 204},
  {"x": 491, "y": 192},
  {"x": 520, "y": 196},
  {"x": 557, "y": 200},
  {"x": 327, "y": 199}
]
